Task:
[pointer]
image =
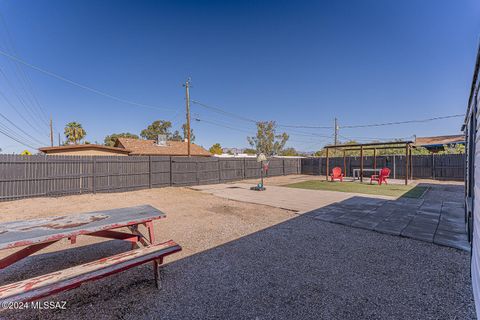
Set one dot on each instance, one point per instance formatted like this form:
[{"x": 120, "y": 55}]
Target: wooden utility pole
[
  {"x": 51, "y": 132},
  {"x": 187, "y": 97},
  {"x": 59, "y": 139}
]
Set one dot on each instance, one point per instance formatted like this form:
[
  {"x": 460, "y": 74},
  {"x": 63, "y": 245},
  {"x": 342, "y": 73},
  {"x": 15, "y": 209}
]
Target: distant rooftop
[
  {"x": 83, "y": 147},
  {"x": 150, "y": 147},
  {"x": 439, "y": 140}
]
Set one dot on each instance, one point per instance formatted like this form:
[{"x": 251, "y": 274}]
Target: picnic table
[
  {"x": 33, "y": 235},
  {"x": 356, "y": 172}
]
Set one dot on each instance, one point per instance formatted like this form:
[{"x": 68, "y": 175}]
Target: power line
[
  {"x": 91, "y": 89},
  {"x": 304, "y": 127},
  {"x": 37, "y": 127},
  {"x": 372, "y": 138},
  {"x": 14, "y": 135},
  {"x": 16, "y": 110},
  {"x": 233, "y": 115},
  {"x": 17, "y": 140},
  {"x": 221, "y": 125},
  {"x": 402, "y": 122},
  {"x": 229, "y": 126},
  {"x": 21, "y": 130},
  {"x": 315, "y": 142},
  {"x": 219, "y": 110},
  {"x": 22, "y": 75}
]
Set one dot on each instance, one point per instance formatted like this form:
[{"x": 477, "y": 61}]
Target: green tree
[
  {"x": 289, "y": 152},
  {"x": 74, "y": 132},
  {"x": 216, "y": 149},
  {"x": 176, "y": 136},
  {"x": 185, "y": 131},
  {"x": 418, "y": 151},
  {"x": 267, "y": 141},
  {"x": 157, "y": 127},
  {"x": 456, "y": 149},
  {"x": 249, "y": 151},
  {"x": 110, "y": 139}
]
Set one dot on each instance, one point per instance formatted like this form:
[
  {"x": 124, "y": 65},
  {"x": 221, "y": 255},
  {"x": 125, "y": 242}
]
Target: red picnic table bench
[{"x": 34, "y": 235}]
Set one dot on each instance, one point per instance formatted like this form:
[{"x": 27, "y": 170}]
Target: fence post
[
  {"x": 433, "y": 165},
  {"x": 394, "y": 168},
  {"x": 244, "y": 168},
  {"x": 196, "y": 171},
  {"x": 150, "y": 172},
  {"x": 283, "y": 166},
  {"x": 171, "y": 175},
  {"x": 94, "y": 170}
]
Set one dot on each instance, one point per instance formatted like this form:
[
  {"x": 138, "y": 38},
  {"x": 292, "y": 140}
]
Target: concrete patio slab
[
  {"x": 300, "y": 200},
  {"x": 436, "y": 217}
]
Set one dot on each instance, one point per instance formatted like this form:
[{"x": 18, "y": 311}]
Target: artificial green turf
[{"x": 393, "y": 190}]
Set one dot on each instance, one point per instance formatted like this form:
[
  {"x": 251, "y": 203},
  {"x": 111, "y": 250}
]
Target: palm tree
[{"x": 74, "y": 132}]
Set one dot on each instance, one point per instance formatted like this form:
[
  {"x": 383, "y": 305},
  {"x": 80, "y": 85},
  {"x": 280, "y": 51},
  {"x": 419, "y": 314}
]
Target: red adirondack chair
[
  {"x": 382, "y": 177},
  {"x": 336, "y": 174}
]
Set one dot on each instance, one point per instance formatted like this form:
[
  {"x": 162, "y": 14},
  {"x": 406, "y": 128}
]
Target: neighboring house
[
  {"x": 139, "y": 147},
  {"x": 290, "y": 157},
  {"x": 437, "y": 143},
  {"x": 85, "y": 150},
  {"x": 232, "y": 150},
  {"x": 472, "y": 188},
  {"x": 236, "y": 155}
]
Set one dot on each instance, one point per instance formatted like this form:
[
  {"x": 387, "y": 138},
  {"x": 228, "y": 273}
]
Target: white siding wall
[
  {"x": 475, "y": 263},
  {"x": 475, "y": 267}
]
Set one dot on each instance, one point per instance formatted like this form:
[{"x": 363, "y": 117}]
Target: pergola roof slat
[{"x": 392, "y": 143}]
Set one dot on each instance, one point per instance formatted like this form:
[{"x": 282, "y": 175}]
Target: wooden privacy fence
[
  {"x": 42, "y": 175},
  {"x": 434, "y": 166}
]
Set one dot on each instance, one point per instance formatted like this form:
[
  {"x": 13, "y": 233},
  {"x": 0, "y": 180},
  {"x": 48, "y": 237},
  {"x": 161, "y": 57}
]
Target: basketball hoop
[{"x": 264, "y": 168}]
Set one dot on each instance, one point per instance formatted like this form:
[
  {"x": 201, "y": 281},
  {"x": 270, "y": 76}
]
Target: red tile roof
[{"x": 149, "y": 147}]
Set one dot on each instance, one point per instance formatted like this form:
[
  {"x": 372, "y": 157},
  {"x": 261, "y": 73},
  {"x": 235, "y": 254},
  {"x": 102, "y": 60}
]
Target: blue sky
[{"x": 296, "y": 62}]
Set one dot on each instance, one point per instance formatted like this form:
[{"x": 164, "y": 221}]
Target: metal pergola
[{"x": 407, "y": 145}]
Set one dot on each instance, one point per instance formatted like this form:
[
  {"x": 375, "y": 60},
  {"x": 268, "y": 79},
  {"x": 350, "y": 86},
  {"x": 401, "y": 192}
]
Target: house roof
[
  {"x": 72, "y": 147},
  {"x": 149, "y": 147},
  {"x": 439, "y": 140}
]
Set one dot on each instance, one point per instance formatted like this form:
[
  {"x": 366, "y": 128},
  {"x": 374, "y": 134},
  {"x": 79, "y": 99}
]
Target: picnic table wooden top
[{"x": 24, "y": 233}]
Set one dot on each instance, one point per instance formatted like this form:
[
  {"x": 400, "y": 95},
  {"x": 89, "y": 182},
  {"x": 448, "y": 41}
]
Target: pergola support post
[
  {"x": 326, "y": 166},
  {"x": 406, "y": 164},
  {"x": 361, "y": 163},
  {"x": 411, "y": 162}
]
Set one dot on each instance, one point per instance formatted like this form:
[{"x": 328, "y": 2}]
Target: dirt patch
[
  {"x": 195, "y": 220},
  {"x": 223, "y": 209}
]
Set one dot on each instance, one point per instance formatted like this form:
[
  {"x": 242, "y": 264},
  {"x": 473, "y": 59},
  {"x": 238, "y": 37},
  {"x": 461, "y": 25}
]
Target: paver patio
[{"x": 437, "y": 217}]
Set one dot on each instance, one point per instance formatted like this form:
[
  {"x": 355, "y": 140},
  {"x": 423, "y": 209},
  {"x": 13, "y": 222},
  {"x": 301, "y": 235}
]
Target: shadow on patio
[{"x": 303, "y": 268}]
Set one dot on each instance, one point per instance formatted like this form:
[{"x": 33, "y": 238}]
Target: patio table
[{"x": 356, "y": 172}]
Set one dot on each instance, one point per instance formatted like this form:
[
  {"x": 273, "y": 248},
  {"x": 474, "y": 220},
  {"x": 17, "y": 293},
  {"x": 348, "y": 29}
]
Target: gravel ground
[{"x": 245, "y": 261}]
